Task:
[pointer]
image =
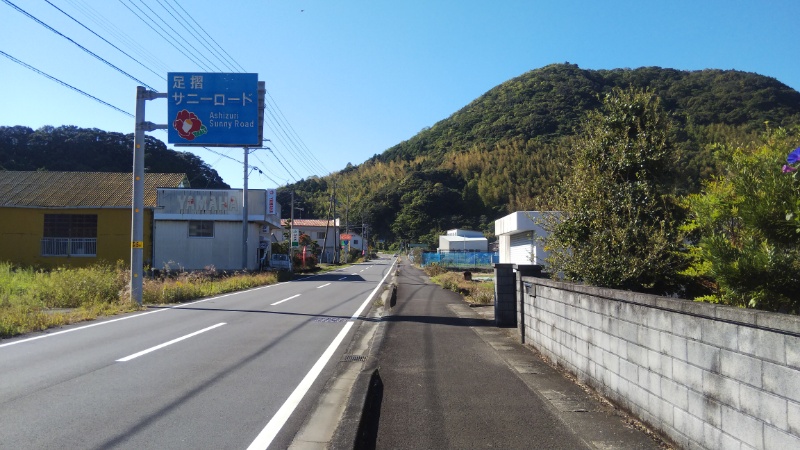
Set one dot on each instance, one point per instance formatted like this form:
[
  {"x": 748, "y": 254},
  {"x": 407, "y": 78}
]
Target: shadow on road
[
  {"x": 316, "y": 316},
  {"x": 437, "y": 320}
]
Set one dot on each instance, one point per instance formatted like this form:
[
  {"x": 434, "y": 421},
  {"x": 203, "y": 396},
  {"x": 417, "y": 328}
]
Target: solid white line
[
  {"x": 285, "y": 300},
  {"x": 265, "y": 437},
  {"x": 152, "y": 349},
  {"x": 326, "y": 284},
  {"x": 275, "y": 424}
]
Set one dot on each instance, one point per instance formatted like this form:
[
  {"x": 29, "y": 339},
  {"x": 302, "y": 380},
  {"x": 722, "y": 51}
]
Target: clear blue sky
[{"x": 353, "y": 78}]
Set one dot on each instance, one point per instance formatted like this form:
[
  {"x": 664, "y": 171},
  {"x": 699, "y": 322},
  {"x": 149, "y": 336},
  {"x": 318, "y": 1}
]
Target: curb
[{"x": 359, "y": 424}]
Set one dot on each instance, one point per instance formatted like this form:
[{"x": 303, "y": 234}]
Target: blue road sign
[{"x": 213, "y": 109}]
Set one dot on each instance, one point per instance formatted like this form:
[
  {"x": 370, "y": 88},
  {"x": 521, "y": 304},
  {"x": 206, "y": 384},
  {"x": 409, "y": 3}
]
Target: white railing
[{"x": 69, "y": 247}]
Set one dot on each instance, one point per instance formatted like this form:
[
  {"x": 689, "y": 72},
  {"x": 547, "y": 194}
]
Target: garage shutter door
[{"x": 521, "y": 248}]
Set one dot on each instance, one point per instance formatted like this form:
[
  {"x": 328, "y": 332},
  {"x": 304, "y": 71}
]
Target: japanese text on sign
[{"x": 213, "y": 109}]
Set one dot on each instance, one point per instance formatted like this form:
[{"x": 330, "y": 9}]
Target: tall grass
[
  {"x": 481, "y": 293},
  {"x": 32, "y": 300}
]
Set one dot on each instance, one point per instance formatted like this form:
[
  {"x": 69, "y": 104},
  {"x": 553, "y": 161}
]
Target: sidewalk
[{"x": 448, "y": 378}]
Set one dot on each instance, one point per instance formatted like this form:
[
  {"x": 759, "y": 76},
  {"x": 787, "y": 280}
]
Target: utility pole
[
  {"x": 335, "y": 233},
  {"x": 347, "y": 227},
  {"x": 291, "y": 236},
  {"x": 327, "y": 227},
  {"x": 137, "y": 193}
]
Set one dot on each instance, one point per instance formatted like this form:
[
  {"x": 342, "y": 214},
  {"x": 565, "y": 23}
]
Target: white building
[
  {"x": 520, "y": 237},
  {"x": 352, "y": 241},
  {"x": 197, "y": 228},
  {"x": 325, "y": 232},
  {"x": 458, "y": 240}
]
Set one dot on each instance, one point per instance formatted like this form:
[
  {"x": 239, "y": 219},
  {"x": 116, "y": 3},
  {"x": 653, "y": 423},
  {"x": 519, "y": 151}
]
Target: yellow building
[{"x": 52, "y": 219}]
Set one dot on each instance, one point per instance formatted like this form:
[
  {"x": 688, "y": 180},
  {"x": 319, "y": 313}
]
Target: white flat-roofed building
[
  {"x": 520, "y": 237},
  {"x": 197, "y": 228},
  {"x": 458, "y": 240}
]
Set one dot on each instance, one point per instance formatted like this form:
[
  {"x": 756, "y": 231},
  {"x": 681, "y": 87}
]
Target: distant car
[{"x": 280, "y": 261}]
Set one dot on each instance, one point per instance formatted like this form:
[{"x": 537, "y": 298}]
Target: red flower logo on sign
[{"x": 188, "y": 125}]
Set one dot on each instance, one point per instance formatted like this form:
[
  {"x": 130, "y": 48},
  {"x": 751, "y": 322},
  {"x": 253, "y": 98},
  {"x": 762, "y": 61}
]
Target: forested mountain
[
  {"x": 73, "y": 149},
  {"x": 506, "y": 149}
]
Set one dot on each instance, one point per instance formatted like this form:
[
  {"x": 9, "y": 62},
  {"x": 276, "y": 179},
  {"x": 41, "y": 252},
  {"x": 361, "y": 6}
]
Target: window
[
  {"x": 70, "y": 225},
  {"x": 69, "y": 235},
  {"x": 355, "y": 241},
  {"x": 201, "y": 228},
  {"x": 320, "y": 235}
]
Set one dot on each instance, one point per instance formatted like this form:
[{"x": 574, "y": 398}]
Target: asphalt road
[{"x": 234, "y": 371}]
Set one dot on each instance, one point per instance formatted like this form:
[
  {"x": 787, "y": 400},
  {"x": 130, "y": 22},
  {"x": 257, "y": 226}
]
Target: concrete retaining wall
[{"x": 706, "y": 376}]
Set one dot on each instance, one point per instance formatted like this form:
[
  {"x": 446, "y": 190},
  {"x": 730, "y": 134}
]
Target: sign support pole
[
  {"x": 137, "y": 200},
  {"x": 244, "y": 212}
]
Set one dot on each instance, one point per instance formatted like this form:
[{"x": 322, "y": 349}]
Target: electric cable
[
  {"x": 28, "y": 66},
  {"x": 278, "y": 140},
  {"x": 101, "y": 21},
  {"x": 297, "y": 156},
  {"x": 183, "y": 22},
  {"x": 32, "y": 17},
  {"x": 182, "y": 51},
  {"x": 105, "y": 40},
  {"x": 186, "y": 13},
  {"x": 180, "y": 37}
]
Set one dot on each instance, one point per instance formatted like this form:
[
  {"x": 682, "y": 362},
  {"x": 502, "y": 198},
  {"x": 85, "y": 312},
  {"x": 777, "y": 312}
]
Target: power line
[
  {"x": 182, "y": 51},
  {"x": 265, "y": 168},
  {"x": 22, "y": 11},
  {"x": 178, "y": 34},
  {"x": 298, "y": 137},
  {"x": 183, "y": 22},
  {"x": 105, "y": 40},
  {"x": 64, "y": 84},
  {"x": 103, "y": 23},
  {"x": 281, "y": 163},
  {"x": 186, "y": 13},
  {"x": 296, "y": 155}
]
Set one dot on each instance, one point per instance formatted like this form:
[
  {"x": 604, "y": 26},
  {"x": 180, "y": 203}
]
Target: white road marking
[
  {"x": 285, "y": 300},
  {"x": 265, "y": 437},
  {"x": 343, "y": 278},
  {"x": 182, "y": 305},
  {"x": 160, "y": 346},
  {"x": 326, "y": 284},
  {"x": 353, "y": 274}
]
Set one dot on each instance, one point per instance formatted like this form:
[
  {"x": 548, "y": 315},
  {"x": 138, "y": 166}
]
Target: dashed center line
[
  {"x": 326, "y": 284},
  {"x": 160, "y": 346},
  {"x": 343, "y": 278},
  {"x": 284, "y": 300}
]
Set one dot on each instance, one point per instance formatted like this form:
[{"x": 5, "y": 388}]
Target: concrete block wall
[{"x": 706, "y": 376}]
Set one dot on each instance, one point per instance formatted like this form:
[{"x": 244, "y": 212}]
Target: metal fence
[
  {"x": 463, "y": 260},
  {"x": 69, "y": 247}
]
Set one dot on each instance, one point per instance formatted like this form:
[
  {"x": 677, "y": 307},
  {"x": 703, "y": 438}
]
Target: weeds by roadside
[
  {"x": 481, "y": 293},
  {"x": 34, "y": 300}
]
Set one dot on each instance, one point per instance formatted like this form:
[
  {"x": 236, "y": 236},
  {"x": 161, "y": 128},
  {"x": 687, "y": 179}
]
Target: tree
[
  {"x": 618, "y": 225},
  {"x": 745, "y": 239}
]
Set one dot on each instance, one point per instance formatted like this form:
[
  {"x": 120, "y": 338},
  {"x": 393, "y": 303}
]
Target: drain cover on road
[
  {"x": 354, "y": 358},
  {"x": 329, "y": 319}
]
